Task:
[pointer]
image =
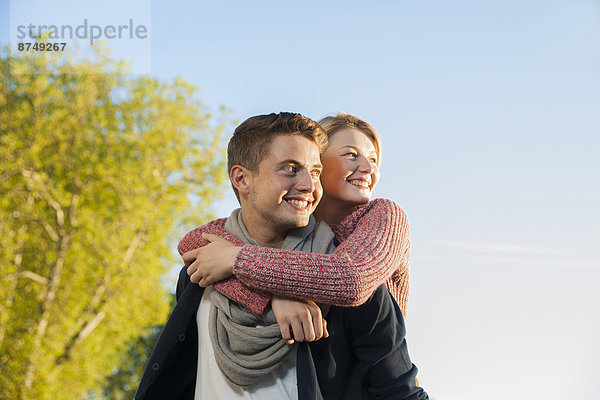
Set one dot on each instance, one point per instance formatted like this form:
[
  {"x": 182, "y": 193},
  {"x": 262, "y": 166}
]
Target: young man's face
[{"x": 286, "y": 189}]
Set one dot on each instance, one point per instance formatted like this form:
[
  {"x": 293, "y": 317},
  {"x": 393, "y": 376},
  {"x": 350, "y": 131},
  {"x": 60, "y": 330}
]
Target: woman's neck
[{"x": 333, "y": 211}]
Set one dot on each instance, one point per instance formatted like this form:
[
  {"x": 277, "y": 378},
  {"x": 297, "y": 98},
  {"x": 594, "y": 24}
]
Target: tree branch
[
  {"x": 54, "y": 279},
  {"x": 12, "y": 283},
  {"x": 97, "y": 303},
  {"x": 50, "y": 230},
  {"x": 34, "y": 277},
  {"x": 86, "y": 330},
  {"x": 135, "y": 242},
  {"x": 72, "y": 209},
  {"x": 55, "y": 276}
]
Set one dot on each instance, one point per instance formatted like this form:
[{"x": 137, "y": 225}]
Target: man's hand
[
  {"x": 303, "y": 317},
  {"x": 211, "y": 263}
]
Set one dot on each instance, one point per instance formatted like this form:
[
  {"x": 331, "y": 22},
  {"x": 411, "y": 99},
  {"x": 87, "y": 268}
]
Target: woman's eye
[
  {"x": 373, "y": 160},
  {"x": 351, "y": 154}
]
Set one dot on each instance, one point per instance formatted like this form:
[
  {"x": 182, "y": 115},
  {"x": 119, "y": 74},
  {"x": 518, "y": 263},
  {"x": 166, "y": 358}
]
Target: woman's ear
[{"x": 240, "y": 179}]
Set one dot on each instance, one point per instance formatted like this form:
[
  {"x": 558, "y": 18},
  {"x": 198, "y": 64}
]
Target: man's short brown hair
[{"x": 251, "y": 140}]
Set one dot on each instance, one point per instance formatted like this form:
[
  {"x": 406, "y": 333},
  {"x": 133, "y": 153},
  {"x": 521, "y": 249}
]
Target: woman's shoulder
[
  {"x": 375, "y": 215},
  {"x": 386, "y": 208},
  {"x": 384, "y": 204}
]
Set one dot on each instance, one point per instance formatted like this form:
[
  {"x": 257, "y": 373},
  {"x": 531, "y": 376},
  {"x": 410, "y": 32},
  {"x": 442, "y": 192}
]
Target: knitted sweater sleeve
[
  {"x": 255, "y": 300},
  {"x": 374, "y": 249}
]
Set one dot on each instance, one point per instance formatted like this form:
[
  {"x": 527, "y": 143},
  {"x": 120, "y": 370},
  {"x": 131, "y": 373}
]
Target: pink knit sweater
[{"x": 374, "y": 249}]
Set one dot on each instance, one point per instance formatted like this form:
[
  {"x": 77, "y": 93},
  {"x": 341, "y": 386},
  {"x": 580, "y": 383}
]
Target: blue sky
[{"x": 489, "y": 117}]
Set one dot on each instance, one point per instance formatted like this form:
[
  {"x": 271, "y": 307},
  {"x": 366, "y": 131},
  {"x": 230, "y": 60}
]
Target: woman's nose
[{"x": 365, "y": 165}]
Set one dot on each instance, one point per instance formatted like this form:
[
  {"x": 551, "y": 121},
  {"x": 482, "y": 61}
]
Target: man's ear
[{"x": 241, "y": 179}]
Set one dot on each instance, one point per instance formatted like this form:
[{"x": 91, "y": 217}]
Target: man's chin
[{"x": 299, "y": 222}]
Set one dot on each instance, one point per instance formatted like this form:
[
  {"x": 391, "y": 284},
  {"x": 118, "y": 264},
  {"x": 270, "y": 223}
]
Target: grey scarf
[{"x": 249, "y": 346}]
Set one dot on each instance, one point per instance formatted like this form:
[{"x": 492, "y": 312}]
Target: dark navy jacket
[{"x": 364, "y": 357}]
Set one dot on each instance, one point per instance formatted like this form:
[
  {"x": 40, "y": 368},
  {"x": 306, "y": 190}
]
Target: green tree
[
  {"x": 122, "y": 383},
  {"x": 99, "y": 173}
]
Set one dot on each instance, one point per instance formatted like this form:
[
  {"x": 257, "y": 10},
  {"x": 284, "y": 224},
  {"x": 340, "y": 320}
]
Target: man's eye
[
  {"x": 290, "y": 169},
  {"x": 316, "y": 173}
]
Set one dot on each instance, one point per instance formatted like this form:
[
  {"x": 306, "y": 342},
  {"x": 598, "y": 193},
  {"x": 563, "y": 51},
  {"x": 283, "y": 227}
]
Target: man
[{"x": 274, "y": 169}]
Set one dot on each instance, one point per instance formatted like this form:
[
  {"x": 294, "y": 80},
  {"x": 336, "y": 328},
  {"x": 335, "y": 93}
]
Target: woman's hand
[
  {"x": 211, "y": 263},
  {"x": 299, "y": 320}
]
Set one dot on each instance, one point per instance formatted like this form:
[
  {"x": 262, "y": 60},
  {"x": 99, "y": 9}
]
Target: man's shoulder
[
  {"x": 216, "y": 224},
  {"x": 324, "y": 239},
  {"x": 193, "y": 239}
]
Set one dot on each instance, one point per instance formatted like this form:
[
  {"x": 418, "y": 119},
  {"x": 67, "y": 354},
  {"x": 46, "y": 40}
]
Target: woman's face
[{"x": 350, "y": 170}]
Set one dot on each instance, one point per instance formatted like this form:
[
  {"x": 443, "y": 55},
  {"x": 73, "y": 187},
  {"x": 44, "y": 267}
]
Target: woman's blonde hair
[{"x": 331, "y": 125}]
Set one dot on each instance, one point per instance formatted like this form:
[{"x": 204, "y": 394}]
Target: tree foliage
[
  {"x": 122, "y": 383},
  {"x": 99, "y": 172}
]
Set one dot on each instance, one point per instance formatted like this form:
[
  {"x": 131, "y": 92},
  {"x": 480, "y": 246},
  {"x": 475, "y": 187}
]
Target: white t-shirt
[{"x": 211, "y": 384}]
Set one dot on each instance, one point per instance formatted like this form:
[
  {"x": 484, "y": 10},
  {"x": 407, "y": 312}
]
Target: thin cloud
[
  {"x": 506, "y": 260},
  {"x": 482, "y": 246},
  {"x": 493, "y": 253}
]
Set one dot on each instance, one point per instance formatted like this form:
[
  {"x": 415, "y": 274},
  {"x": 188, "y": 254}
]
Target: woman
[{"x": 373, "y": 237}]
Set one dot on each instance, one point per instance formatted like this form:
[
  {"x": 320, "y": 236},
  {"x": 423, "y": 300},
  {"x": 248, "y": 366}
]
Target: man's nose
[{"x": 306, "y": 183}]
